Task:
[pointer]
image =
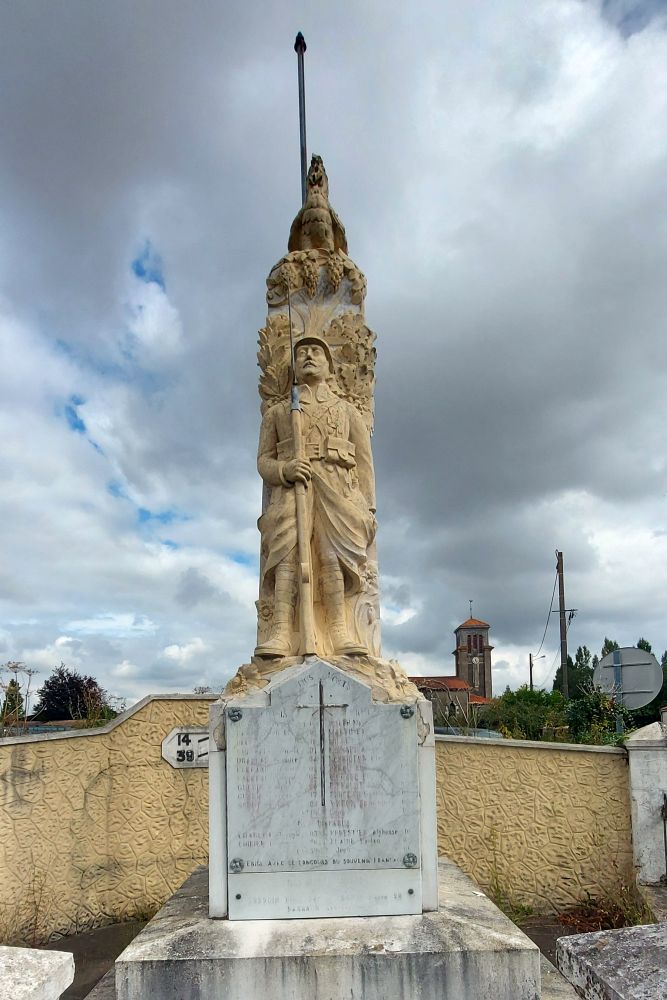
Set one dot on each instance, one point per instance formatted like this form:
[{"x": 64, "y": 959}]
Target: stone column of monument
[
  {"x": 321, "y": 753},
  {"x": 329, "y": 774},
  {"x": 316, "y": 346}
]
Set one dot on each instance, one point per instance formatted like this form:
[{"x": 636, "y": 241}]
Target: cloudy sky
[{"x": 501, "y": 169}]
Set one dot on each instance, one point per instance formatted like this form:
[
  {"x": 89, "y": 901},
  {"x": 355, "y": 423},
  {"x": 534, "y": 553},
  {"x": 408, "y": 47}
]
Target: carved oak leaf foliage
[
  {"x": 273, "y": 358},
  {"x": 354, "y": 356}
]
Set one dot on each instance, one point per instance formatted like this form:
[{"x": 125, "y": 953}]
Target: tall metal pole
[
  {"x": 300, "y": 48},
  {"x": 530, "y": 670},
  {"x": 563, "y": 626}
]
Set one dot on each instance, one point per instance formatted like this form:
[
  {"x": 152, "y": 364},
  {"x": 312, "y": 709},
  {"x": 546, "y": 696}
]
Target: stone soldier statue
[{"x": 337, "y": 471}]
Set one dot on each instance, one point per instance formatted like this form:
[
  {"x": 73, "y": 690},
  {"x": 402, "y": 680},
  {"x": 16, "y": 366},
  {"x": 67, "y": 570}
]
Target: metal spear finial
[{"x": 300, "y": 48}]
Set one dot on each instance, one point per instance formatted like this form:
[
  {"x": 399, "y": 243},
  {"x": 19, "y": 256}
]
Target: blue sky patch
[
  {"x": 161, "y": 516},
  {"x": 116, "y": 490},
  {"x": 147, "y": 266},
  {"x": 72, "y": 417},
  {"x": 241, "y": 558}
]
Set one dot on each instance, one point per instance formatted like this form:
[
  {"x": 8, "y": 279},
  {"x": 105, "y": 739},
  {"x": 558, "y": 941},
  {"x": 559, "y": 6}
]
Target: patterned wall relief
[
  {"x": 98, "y": 828},
  {"x": 547, "y": 825}
]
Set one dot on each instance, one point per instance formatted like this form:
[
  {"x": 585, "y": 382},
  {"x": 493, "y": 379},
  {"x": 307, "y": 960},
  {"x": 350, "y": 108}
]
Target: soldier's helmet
[{"x": 320, "y": 343}]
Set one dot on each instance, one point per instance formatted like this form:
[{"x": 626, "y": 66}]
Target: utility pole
[
  {"x": 563, "y": 626},
  {"x": 530, "y": 669}
]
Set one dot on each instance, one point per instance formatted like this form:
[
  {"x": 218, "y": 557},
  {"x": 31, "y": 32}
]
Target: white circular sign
[{"x": 632, "y": 674}]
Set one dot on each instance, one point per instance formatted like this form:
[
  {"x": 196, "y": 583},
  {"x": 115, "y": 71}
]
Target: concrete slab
[
  {"x": 656, "y": 899},
  {"x": 466, "y": 949},
  {"x": 625, "y": 964},
  {"x": 554, "y": 986},
  {"x": 105, "y": 989},
  {"x": 32, "y": 974}
]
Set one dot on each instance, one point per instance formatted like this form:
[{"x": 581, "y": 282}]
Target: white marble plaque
[
  {"x": 293, "y": 895},
  {"x": 322, "y": 779}
]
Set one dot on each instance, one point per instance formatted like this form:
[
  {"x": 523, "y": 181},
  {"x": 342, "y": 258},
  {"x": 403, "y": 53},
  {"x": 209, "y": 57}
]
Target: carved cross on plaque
[{"x": 321, "y": 707}]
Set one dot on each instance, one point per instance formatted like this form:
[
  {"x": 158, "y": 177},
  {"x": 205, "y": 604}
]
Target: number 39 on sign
[{"x": 186, "y": 747}]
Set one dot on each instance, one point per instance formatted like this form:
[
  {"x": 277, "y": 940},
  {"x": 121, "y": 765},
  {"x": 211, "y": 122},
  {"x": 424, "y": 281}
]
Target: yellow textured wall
[
  {"x": 544, "y": 823},
  {"x": 98, "y": 828}
]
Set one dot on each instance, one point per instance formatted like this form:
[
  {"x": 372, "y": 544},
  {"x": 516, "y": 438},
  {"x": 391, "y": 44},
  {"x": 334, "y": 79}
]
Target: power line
[
  {"x": 553, "y": 594},
  {"x": 557, "y": 656}
]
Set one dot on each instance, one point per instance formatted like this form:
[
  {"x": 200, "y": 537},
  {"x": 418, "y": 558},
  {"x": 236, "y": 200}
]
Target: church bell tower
[{"x": 473, "y": 656}]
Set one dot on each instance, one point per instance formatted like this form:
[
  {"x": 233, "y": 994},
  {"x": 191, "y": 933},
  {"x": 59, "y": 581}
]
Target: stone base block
[
  {"x": 32, "y": 974},
  {"x": 625, "y": 964},
  {"x": 466, "y": 950}
]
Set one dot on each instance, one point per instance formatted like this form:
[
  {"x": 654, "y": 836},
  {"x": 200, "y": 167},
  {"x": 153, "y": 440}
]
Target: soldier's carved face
[{"x": 311, "y": 363}]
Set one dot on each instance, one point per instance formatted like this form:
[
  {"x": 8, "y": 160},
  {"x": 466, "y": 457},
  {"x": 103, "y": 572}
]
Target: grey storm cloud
[{"x": 501, "y": 174}]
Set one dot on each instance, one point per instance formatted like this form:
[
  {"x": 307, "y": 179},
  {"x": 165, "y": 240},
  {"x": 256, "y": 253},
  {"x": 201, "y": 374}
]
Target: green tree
[
  {"x": 66, "y": 694},
  {"x": 525, "y": 714},
  {"x": 644, "y": 644},
  {"x": 579, "y": 673},
  {"x": 651, "y": 712},
  {"x": 662, "y": 695},
  {"x": 608, "y": 646},
  {"x": 592, "y": 718},
  {"x": 12, "y": 706}
]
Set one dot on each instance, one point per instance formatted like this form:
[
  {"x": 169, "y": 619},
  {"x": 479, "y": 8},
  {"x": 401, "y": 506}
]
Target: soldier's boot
[
  {"x": 279, "y": 642},
  {"x": 333, "y": 595}
]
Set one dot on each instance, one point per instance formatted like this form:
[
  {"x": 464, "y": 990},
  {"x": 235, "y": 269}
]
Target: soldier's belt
[{"x": 331, "y": 449}]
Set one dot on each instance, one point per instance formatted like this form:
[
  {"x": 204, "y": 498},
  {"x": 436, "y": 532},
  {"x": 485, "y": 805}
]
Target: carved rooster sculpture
[{"x": 317, "y": 227}]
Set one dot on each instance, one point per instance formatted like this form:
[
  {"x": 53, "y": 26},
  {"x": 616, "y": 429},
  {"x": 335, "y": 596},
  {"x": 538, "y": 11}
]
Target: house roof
[
  {"x": 473, "y": 623},
  {"x": 477, "y": 699},
  {"x": 441, "y": 683}
]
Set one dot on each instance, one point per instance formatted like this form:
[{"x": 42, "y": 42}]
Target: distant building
[
  {"x": 473, "y": 656},
  {"x": 449, "y": 695},
  {"x": 471, "y": 685}
]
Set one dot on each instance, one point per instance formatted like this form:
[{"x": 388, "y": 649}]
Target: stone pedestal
[
  {"x": 32, "y": 974},
  {"x": 465, "y": 950},
  {"x": 647, "y": 754},
  {"x": 322, "y": 801},
  {"x": 625, "y": 964}
]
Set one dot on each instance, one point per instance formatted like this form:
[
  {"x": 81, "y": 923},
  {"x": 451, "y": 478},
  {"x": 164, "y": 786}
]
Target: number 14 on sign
[{"x": 186, "y": 747}]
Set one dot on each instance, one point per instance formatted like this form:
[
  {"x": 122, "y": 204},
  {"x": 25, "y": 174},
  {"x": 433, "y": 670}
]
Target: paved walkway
[{"x": 94, "y": 954}]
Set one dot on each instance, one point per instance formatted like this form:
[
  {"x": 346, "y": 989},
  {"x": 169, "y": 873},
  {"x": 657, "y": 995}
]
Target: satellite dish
[{"x": 632, "y": 674}]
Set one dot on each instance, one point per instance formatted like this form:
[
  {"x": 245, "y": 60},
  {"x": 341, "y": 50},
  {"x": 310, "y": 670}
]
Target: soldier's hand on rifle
[{"x": 297, "y": 471}]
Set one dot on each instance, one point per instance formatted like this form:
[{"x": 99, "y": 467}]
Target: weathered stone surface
[
  {"x": 625, "y": 964},
  {"x": 321, "y": 777},
  {"x": 655, "y": 897},
  {"x": 467, "y": 949},
  {"x": 31, "y": 974},
  {"x": 554, "y": 986},
  {"x": 105, "y": 989},
  {"x": 647, "y": 753},
  {"x": 324, "y": 800}
]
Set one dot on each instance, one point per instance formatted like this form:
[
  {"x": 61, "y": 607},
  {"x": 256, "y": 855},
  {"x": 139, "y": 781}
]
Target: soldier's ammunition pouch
[{"x": 331, "y": 449}]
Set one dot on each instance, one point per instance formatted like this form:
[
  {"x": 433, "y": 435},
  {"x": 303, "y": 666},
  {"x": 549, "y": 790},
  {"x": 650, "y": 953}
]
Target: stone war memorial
[{"x": 323, "y": 877}]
